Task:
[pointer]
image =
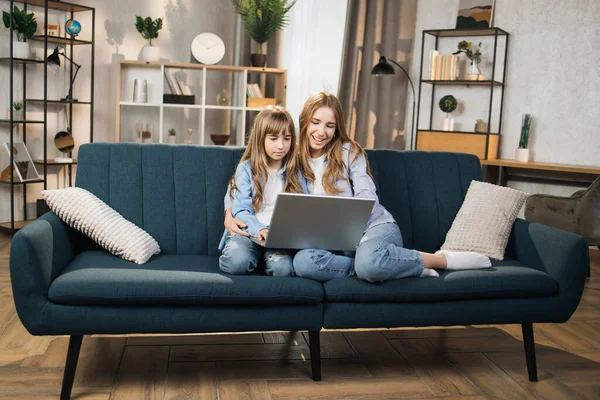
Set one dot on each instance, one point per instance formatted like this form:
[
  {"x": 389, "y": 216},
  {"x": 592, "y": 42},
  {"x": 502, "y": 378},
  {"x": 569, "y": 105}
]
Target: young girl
[
  {"x": 267, "y": 167},
  {"x": 333, "y": 164}
]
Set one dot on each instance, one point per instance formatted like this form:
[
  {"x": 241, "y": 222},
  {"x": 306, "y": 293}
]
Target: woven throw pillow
[
  {"x": 88, "y": 214},
  {"x": 485, "y": 219}
]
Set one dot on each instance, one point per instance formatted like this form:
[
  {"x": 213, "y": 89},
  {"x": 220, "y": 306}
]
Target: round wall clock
[{"x": 208, "y": 48}]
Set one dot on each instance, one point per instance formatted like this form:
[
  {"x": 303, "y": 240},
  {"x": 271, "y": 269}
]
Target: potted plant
[
  {"x": 25, "y": 26},
  {"x": 18, "y": 113},
  {"x": 262, "y": 18},
  {"x": 473, "y": 54},
  {"x": 172, "y": 136},
  {"x": 522, "y": 152},
  {"x": 149, "y": 30},
  {"x": 480, "y": 126},
  {"x": 448, "y": 104}
]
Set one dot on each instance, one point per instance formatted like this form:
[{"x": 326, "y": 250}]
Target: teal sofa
[{"x": 64, "y": 284}]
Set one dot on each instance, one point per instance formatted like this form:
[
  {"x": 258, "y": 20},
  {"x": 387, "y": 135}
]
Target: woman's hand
[
  {"x": 262, "y": 235},
  {"x": 233, "y": 225}
]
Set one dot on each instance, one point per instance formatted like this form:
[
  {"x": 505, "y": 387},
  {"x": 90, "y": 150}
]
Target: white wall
[
  {"x": 553, "y": 73},
  {"x": 311, "y": 50}
]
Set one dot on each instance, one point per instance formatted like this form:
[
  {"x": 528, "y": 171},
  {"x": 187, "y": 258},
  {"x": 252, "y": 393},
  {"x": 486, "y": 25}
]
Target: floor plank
[
  {"x": 142, "y": 374},
  {"x": 191, "y": 381},
  {"x": 244, "y": 390},
  {"x": 238, "y": 352},
  {"x": 379, "y": 356},
  {"x": 333, "y": 345},
  {"x": 175, "y": 340}
]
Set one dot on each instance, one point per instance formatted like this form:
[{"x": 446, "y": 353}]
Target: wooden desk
[{"x": 500, "y": 171}]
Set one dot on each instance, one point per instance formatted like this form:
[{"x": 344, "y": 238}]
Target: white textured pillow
[
  {"x": 88, "y": 214},
  {"x": 485, "y": 219}
]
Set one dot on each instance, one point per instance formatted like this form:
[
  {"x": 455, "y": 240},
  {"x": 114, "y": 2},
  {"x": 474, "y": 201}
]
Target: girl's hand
[
  {"x": 262, "y": 235},
  {"x": 234, "y": 225}
]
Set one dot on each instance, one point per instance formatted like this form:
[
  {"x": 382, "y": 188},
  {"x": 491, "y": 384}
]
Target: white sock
[
  {"x": 429, "y": 273},
  {"x": 465, "y": 259}
]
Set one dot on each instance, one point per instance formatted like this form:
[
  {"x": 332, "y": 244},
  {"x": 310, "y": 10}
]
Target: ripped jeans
[
  {"x": 379, "y": 257},
  {"x": 240, "y": 256}
]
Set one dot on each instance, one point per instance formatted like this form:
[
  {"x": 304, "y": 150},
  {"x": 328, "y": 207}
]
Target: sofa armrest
[
  {"x": 38, "y": 254},
  {"x": 560, "y": 254}
]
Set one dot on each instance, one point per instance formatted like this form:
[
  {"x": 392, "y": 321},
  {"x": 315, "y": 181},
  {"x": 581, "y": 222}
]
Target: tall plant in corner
[
  {"x": 522, "y": 152},
  {"x": 149, "y": 29},
  {"x": 24, "y": 26},
  {"x": 262, "y": 18}
]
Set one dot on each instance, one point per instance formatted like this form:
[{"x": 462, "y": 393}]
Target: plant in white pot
[
  {"x": 172, "y": 138},
  {"x": 149, "y": 30},
  {"x": 18, "y": 112},
  {"x": 24, "y": 26},
  {"x": 522, "y": 153},
  {"x": 262, "y": 18},
  {"x": 448, "y": 104}
]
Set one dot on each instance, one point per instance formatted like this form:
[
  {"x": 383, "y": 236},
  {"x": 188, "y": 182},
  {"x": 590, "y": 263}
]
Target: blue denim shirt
[{"x": 361, "y": 185}]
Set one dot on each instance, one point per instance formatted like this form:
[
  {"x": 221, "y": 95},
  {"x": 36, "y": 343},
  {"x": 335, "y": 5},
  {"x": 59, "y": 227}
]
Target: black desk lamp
[
  {"x": 54, "y": 59},
  {"x": 383, "y": 68}
]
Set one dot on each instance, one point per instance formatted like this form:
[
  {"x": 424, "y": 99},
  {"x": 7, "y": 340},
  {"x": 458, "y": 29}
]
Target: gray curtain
[{"x": 375, "y": 106}]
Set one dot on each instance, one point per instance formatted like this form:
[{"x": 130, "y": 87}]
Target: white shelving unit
[{"x": 205, "y": 116}]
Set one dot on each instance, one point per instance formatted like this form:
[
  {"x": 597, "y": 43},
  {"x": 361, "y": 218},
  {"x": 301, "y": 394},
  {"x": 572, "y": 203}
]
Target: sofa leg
[
  {"x": 70, "y": 366},
  {"x": 529, "y": 343},
  {"x": 315, "y": 354}
]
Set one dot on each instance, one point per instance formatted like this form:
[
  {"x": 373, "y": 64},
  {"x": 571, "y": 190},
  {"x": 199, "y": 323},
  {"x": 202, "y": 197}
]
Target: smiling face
[
  {"x": 320, "y": 130},
  {"x": 276, "y": 148}
]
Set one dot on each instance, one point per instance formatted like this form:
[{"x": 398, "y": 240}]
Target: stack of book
[
  {"x": 181, "y": 93},
  {"x": 256, "y": 97},
  {"x": 443, "y": 67},
  {"x": 253, "y": 90}
]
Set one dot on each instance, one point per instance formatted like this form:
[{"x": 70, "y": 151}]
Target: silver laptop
[{"x": 304, "y": 221}]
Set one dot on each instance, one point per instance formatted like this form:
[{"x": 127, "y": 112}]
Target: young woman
[
  {"x": 333, "y": 164},
  {"x": 267, "y": 167}
]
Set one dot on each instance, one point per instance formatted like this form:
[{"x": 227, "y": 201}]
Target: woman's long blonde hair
[
  {"x": 335, "y": 168},
  {"x": 270, "y": 121}
]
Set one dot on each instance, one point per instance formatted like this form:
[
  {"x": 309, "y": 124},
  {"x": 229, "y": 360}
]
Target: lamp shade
[
  {"x": 382, "y": 68},
  {"x": 53, "y": 58}
]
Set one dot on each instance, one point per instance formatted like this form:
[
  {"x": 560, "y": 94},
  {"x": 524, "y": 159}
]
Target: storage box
[
  {"x": 259, "y": 102},
  {"x": 179, "y": 99},
  {"x": 483, "y": 145}
]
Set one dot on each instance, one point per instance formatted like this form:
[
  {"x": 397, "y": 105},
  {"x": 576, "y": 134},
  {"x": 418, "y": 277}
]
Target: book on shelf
[
  {"x": 253, "y": 90},
  {"x": 443, "y": 66}
]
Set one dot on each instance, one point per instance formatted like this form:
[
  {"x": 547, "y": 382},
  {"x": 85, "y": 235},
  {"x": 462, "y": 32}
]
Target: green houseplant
[
  {"x": 18, "y": 113},
  {"x": 149, "y": 29},
  {"x": 522, "y": 152},
  {"x": 474, "y": 54},
  {"x": 24, "y": 26},
  {"x": 448, "y": 104},
  {"x": 172, "y": 136},
  {"x": 262, "y": 18}
]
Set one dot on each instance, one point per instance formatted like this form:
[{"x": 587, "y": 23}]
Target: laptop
[{"x": 304, "y": 221}]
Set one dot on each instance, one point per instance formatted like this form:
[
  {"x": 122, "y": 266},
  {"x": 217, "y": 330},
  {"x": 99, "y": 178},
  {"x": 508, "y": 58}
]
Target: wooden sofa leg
[
  {"x": 70, "y": 366},
  {"x": 315, "y": 354},
  {"x": 529, "y": 343}
]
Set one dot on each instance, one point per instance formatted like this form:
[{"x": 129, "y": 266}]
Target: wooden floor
[{"x": 450, "y": 363}]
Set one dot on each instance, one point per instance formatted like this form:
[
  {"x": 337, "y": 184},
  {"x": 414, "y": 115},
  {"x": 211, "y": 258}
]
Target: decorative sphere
[{"x": 73, "y": 27}]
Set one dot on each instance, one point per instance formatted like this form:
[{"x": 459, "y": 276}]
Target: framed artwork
[
  {"x": 475, "y": 14},
  {"x": 23, "y": 164}
]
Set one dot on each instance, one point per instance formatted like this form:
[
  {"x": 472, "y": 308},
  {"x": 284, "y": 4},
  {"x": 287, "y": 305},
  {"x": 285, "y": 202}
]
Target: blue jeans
[
  {"x": 379, "y": 257},
  {"x": 241, "y": 255}
]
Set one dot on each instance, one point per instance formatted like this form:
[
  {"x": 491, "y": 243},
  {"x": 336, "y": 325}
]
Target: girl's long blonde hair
[
  {"x": 335, "y": 168},
  {"x": 270, "y": 121}
]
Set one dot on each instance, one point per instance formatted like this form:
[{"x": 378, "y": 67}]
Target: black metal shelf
[
  {"x": 462, "y": 82},
  {"x": 20, "y": 121},
  {"x": 57, "y": 101},
  {"x": 54, "y": 163},
  {"x": 21, "y": 183},
  {"x": 18, "y": 225},
  {"x": 469, "y": 132},
  {"x": 60, "y": 40},
  {"x": 466, "y": 32},
  {"x": 56, "y": 5},
  {"x": 6, "y": 60}
]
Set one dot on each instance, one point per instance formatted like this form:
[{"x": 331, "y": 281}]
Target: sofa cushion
[
  {"x": 505, "y": 279},
  {"x": 96, "y": 277}
]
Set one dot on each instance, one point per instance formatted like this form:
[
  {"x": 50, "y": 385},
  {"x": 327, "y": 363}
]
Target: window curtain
[{"x": 377, "y": 108}]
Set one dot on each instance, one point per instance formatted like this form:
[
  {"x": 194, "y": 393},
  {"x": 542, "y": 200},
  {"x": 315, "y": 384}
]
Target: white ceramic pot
[
  {"x": 522, "y": 155},
  {"x": 448, "y": 124},
  {"x": 20, "y": 49},
  {"x": 172, "y": 139},
  {"x": 150, "y": 53}
]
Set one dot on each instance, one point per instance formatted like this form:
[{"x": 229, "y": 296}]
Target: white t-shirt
[
  {"x": 318, "y": 167},
  {"x": 272, "y": 188}
]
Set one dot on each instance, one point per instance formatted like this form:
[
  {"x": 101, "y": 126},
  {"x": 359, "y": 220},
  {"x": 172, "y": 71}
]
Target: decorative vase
[
  {"x": 20, "y": 49},
  {"x": 522, "y": 155},
  {"x": 150, "y": 53},
  {"x": 18, "y": 115},
  {"x": 171, "y": 139},
  {"x": 448, "y": 124},
  {"x": 258, "y": 60},
  {"x": 480, "y": 127},
  {"x": 474, "y": 72}
]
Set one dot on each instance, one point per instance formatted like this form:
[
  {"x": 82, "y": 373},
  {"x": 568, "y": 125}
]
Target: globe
[{"x": 73, "y": 27}]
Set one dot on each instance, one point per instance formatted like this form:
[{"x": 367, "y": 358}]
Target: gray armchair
[{"x": 579, "y": 213}]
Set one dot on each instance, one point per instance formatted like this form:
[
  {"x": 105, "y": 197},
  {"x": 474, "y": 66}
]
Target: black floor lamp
[
  {"x": 383, "y": 68},
  {"x": 54, "y": 59}
]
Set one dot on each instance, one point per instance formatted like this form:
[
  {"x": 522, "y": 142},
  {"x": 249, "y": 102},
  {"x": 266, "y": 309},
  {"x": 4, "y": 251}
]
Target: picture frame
[
  {"x": 475, "y": 14},
  {"x": 22, "y": 162}
]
